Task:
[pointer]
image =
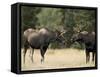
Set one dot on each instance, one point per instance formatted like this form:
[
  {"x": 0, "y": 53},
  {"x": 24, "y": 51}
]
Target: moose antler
[
  {"x": 79, "y": 28},
  {"x": 63, "y": 32}
]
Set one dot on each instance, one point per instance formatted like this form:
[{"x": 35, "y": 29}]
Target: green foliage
[
  {"x": 50, "y": 17},
  {"x": 71, "y": 20},
  {"x": 78, "y": 46},
  {"x": 28, "y": 15},
  {"x": 78, "y": 20}
]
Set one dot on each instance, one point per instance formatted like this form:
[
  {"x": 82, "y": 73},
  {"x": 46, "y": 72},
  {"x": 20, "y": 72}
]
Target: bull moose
[
  {"x": 90, "y": 43},
  {"x": 40, "y": 39}
]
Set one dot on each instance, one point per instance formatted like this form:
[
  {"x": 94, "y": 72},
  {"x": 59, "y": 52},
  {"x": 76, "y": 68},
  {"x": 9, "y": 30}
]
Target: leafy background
[{"x": 69, "y": 20}]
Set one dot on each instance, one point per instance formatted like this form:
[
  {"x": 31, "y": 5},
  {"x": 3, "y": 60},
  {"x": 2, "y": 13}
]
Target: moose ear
[{"x": 84, "y": 32}]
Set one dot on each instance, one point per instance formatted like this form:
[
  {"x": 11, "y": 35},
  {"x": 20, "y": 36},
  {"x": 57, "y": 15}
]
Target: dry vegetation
[{"x": 56, "y": 58}]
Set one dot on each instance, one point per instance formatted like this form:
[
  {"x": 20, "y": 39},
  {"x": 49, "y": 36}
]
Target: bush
[{"x": 78, "y": 46}]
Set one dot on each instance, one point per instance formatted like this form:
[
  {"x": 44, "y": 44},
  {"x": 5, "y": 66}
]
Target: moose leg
[
  {"x": 43, "y": 50},
  {"x": 87, "y": 56},
  {"x": 32, "y": 52},
  {"x": 24, "y": 53},
  {"x": 26, "y": 46},
  {"x": 93, "y": 56}
]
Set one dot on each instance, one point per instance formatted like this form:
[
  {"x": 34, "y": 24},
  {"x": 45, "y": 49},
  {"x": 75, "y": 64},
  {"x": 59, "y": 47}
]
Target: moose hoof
[{"x": 42, "y": 61}]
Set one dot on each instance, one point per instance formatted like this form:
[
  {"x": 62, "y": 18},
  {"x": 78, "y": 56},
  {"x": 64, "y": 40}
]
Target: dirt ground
[{"x": 56, "y": 58}]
